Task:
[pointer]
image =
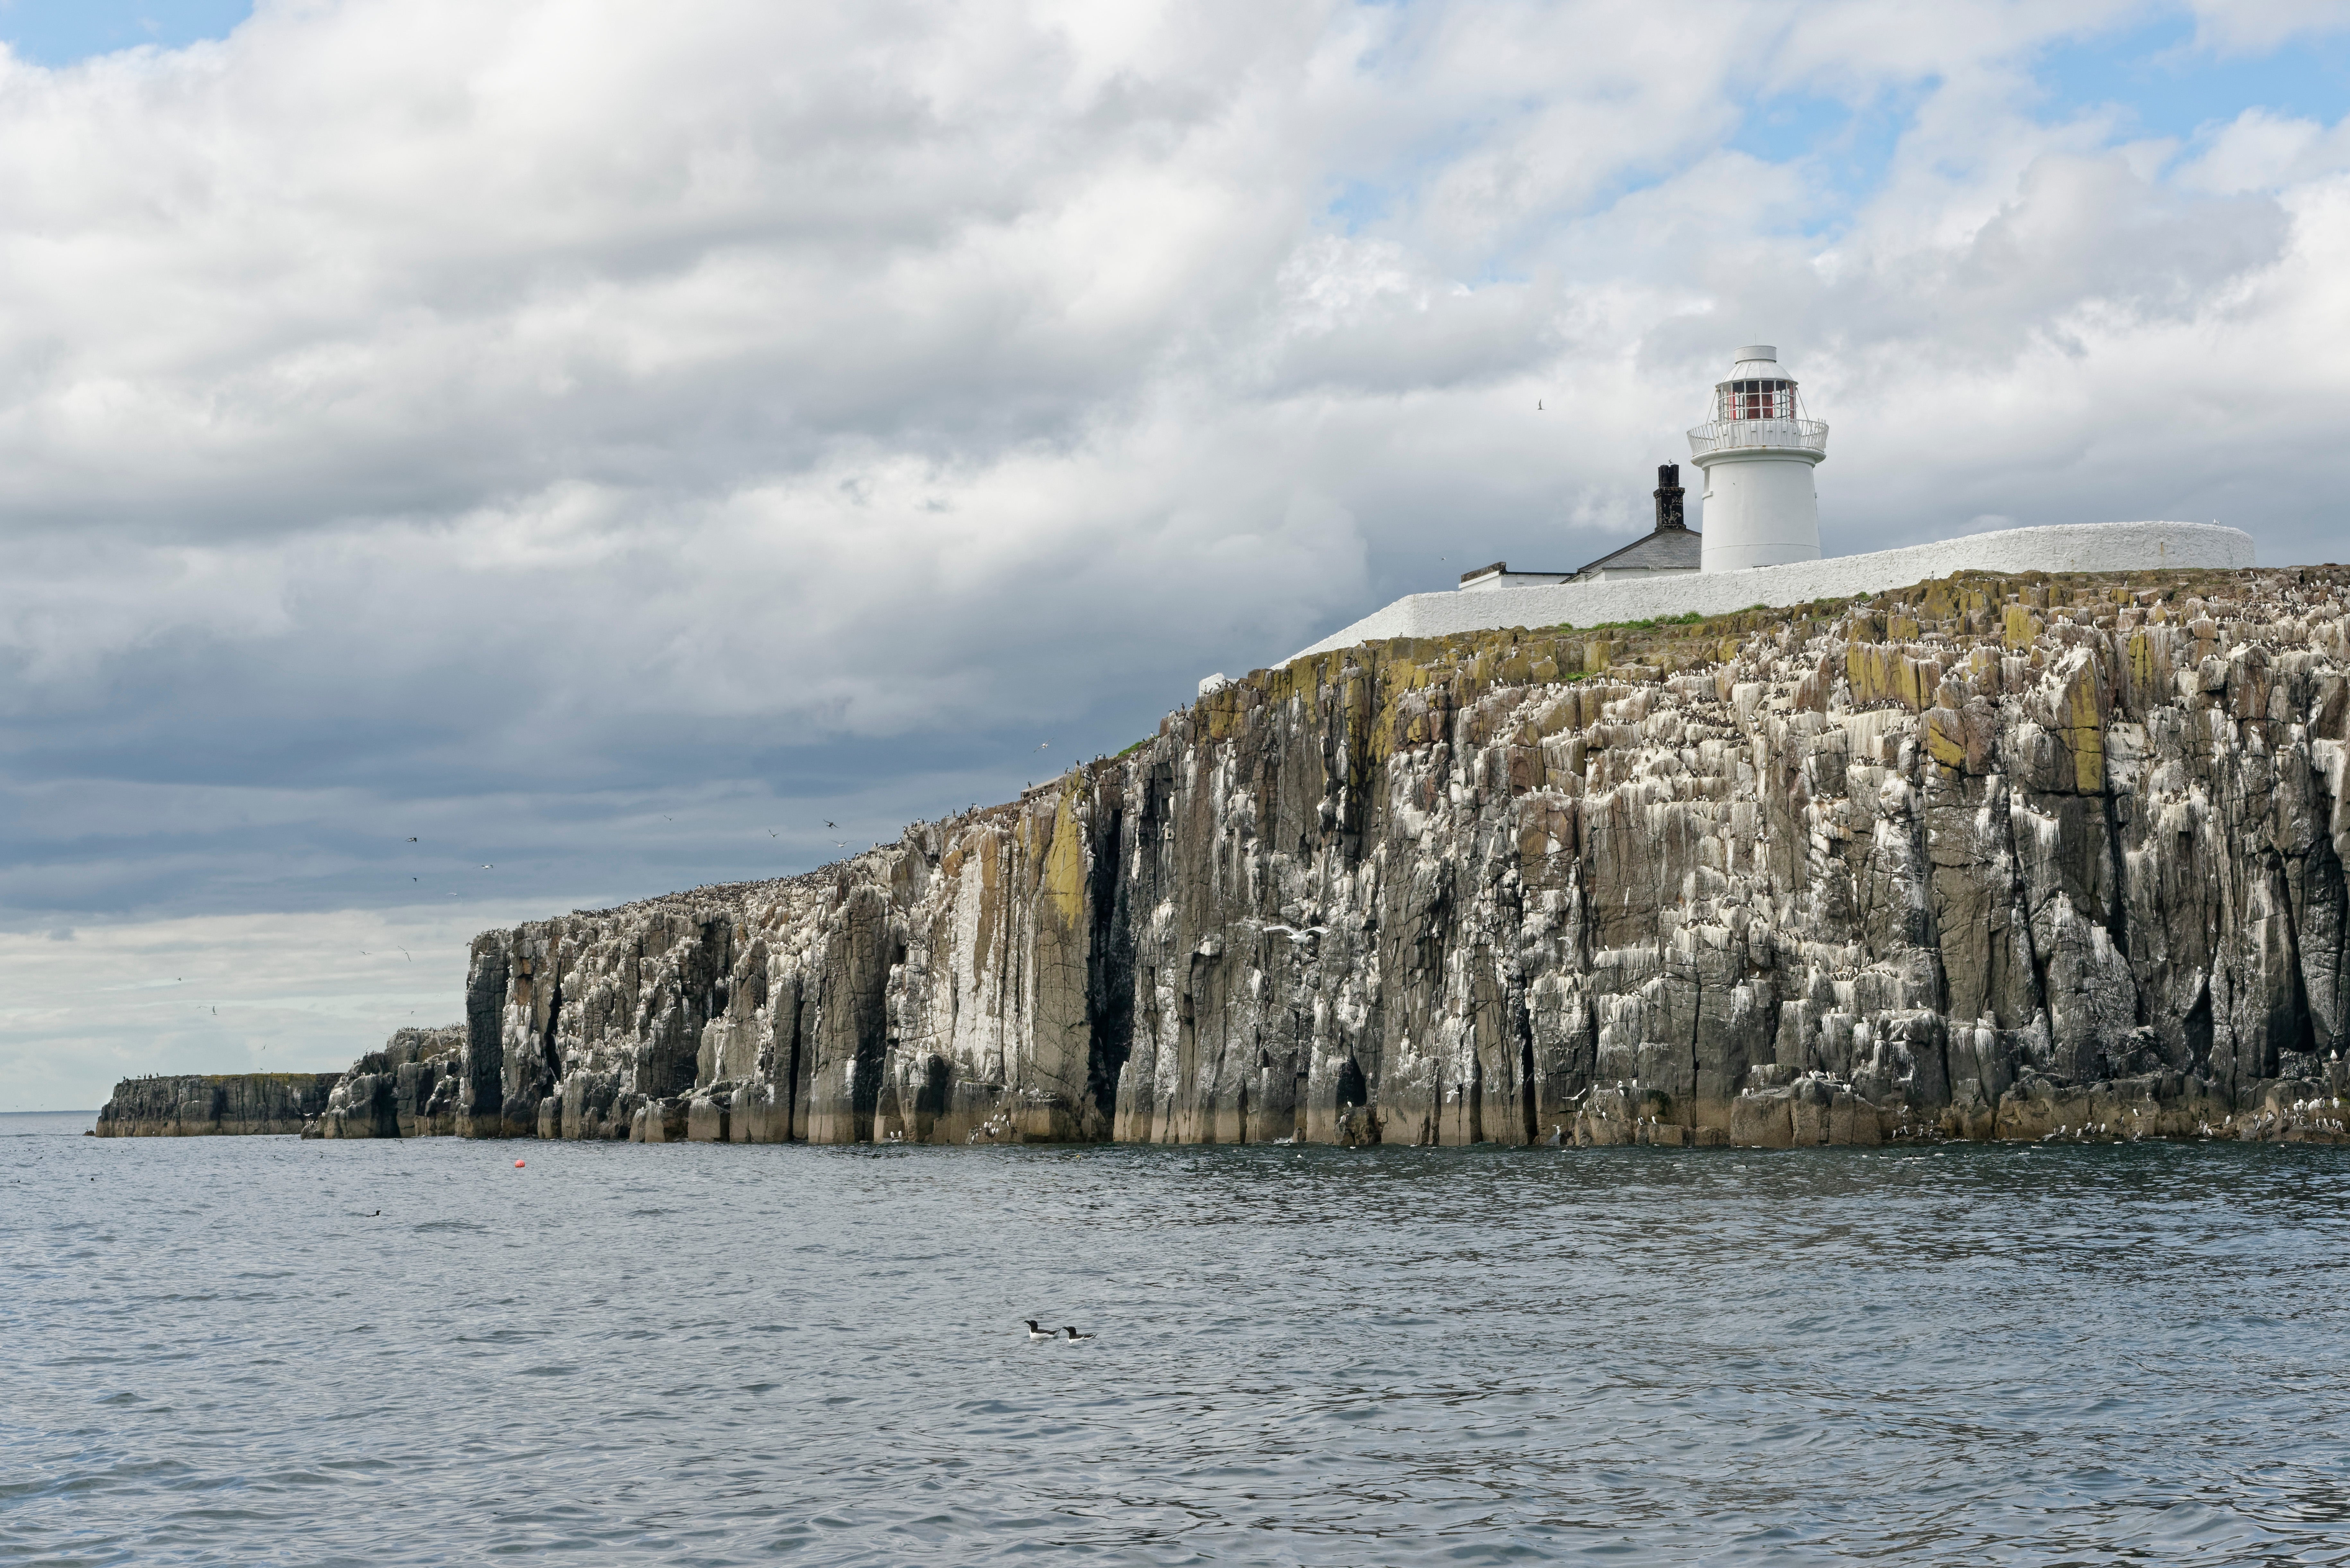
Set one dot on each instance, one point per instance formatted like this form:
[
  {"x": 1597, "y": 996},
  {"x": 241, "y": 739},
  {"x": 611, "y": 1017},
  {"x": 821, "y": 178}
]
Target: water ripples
[{"x": 219, "y": 1353}]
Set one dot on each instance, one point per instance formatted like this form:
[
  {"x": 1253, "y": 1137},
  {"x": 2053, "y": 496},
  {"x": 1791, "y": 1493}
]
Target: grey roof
[{"x": 1660, "y": 550}]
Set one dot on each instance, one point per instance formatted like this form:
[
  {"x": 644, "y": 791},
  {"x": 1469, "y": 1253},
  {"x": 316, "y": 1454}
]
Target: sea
[{"x": 259, "y": 1350}]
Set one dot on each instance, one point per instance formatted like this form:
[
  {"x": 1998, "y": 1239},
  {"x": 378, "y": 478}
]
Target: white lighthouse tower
[{"x": 1758, "y": 452}]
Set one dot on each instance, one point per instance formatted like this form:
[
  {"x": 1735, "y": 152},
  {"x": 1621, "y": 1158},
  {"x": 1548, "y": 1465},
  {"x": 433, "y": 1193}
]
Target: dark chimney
[{"x": 1669, "y": 496}]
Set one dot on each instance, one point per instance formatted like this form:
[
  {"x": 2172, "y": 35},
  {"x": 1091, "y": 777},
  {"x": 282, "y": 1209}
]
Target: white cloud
[
  {"x": 2256, "y": 26},
  {"x": 2259, "y": 150},
  {"x": 85, "y": 1006},
  {"x": 519, "y": 416}
]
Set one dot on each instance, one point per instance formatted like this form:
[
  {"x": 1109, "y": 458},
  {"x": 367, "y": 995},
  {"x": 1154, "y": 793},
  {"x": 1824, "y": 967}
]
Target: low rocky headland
[
  {"x": 196, "y": 1104},
  {"x": 1990, "y": 858}
]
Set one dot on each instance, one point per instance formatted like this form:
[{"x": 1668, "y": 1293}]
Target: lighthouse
[{"x": 1758, "y": 451}]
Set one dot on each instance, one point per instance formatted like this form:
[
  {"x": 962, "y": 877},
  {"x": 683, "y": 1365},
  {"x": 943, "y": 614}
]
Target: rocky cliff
[
  {"x": 197, "y": 1105},
  {"x": 408, "y": 1089},
  {"x": 1989, "y": 857}
]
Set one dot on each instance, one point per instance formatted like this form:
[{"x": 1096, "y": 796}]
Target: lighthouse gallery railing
[{"x": 1733, "y": 435}]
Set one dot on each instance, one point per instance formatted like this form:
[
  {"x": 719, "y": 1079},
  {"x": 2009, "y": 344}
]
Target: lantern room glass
[{"x": 1759, "y": 399}]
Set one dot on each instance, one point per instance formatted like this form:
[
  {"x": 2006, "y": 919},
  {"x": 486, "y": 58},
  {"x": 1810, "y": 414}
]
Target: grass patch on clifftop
[{"x": 1651, "y": 624}]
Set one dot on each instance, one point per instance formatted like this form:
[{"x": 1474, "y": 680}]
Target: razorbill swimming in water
[
  {"x": 1073, "y": 1334},
  {"x": 1035, "y": 1332}
]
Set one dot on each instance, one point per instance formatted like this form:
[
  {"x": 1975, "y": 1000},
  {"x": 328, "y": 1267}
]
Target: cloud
[
  {"x": 592, "y": 447},
  {"x": 2257, "y": 27},
  {"x": 2259, "y": 150},
  {"x": 221, "y": 994}
]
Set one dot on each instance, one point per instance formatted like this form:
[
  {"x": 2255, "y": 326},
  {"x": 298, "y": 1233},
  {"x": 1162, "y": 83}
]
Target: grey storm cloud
[{"x": 606, "y": 448}]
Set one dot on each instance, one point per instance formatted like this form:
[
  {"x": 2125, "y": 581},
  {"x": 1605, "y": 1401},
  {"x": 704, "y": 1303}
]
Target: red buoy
[{"x": 517, "y": 1164}]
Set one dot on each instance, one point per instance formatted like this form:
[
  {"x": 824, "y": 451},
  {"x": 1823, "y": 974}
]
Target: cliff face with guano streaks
[
  {"x": 410, "y": 1088},
  {"x": 1988, "y": 857}
]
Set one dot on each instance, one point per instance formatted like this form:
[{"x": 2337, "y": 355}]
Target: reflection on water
[{"x": 218, "y": 1352}]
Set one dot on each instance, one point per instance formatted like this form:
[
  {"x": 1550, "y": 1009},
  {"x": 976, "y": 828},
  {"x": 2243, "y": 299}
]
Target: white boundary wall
[{"x": 2066, "y": 547}]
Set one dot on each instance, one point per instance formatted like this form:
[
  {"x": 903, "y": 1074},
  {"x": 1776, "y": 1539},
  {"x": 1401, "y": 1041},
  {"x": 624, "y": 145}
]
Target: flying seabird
[
  {"x": 412, "y": 838},
  {"x": 1073, "y": 1334},
  {"x": 1035, "y": 1332},
  {"x": 832, "y": 824}
]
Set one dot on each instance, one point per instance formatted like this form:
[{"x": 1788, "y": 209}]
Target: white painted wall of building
[
  {"x": 1512, "y": 580},
  {"x": 2068, "y": 547},
  {"x": 1638, "y": 574}
]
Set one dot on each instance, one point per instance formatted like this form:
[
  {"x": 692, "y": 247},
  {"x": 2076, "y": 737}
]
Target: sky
[{"x": 466, "y": 460}]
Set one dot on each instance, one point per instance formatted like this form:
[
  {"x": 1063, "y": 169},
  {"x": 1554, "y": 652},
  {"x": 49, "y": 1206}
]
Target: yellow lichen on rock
[
  {"x": 1065, "y": 865},
  {"x": 2081, "y": 725},
  {"x": 1946, "y": 737}
]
